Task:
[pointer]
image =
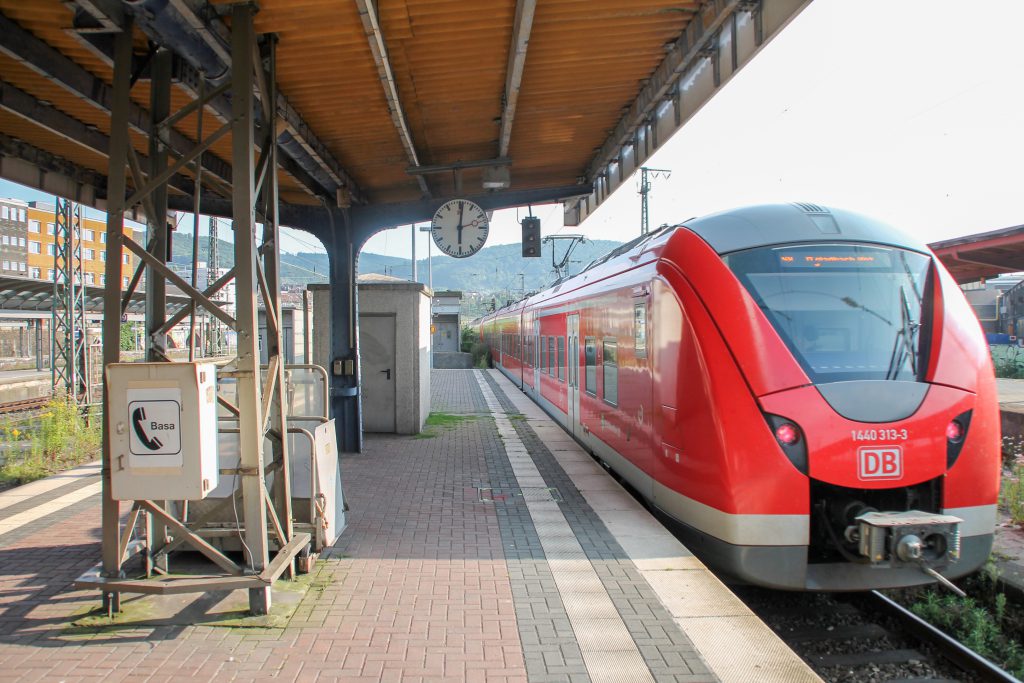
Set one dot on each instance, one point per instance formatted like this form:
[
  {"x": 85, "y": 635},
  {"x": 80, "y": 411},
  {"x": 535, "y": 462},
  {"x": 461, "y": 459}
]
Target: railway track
[
  {"x": 867, "y": 637},
  {"x": 23, "y": 405}
]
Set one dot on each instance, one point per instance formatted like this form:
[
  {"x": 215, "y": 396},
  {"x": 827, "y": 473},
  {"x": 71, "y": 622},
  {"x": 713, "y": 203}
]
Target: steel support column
[
  {"x": 116, "y": 186},
  {"x": 156, "y": 224},
  {"x": 39, "y": 345},
  {"x": 250, "y": 420},
  {"x": 343, "y": 241},
  {"x": 272, "y": 271}
]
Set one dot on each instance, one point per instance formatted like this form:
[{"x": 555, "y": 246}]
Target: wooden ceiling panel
[{"x": 586, "y": 62}]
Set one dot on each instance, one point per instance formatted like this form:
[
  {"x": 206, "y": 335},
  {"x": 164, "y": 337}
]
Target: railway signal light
[{"x": 531, "y": 237}]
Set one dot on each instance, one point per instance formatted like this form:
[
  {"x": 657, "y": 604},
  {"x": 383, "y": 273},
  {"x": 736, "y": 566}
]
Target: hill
[
  {"x": 494, "y": 270},
  {"x": 499, "y": 270}
]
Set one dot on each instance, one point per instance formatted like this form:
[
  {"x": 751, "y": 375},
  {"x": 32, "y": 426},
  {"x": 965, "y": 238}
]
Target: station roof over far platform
[
  {"x": 22, "y": 295},
  {"x": 385, "y": 101},
  {"x": 984, "y": 255}
]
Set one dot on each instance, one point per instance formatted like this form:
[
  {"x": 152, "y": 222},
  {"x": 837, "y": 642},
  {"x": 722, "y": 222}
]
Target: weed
[
  {"x": 974, "y": 626},
  {"x": 437, "y": 421},
  {"x": 57, "y": 439},
  {"x": 981, "y": 621},
  {"x": 447, "y": 419},
  {"x": 1008, "y": 361},
  {"x": 481, "y": 355},
  {"x": 1011, "y": 495}
]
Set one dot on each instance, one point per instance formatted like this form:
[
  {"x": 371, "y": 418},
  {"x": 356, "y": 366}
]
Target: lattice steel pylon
[
  {"x": 68, "y": 343},
  {"x": 646, "y": 175},
  {"x": 215, "y": 342}
]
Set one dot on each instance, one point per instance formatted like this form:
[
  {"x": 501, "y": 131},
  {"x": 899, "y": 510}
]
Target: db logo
[{"x": 880, "y": 462}]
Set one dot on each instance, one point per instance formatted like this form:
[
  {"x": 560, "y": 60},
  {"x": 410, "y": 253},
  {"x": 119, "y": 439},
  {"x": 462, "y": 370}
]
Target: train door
[
  {"x": 573, "y": 370},
  {"x": 536, "y": 354}
]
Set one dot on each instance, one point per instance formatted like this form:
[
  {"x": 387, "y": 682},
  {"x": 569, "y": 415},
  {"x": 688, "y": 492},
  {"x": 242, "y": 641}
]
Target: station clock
[{"x": 459, "y": 228}]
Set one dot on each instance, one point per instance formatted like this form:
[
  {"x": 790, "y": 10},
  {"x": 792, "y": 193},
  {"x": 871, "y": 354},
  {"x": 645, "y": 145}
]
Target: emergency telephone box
[{"x": 163, "y": 430}]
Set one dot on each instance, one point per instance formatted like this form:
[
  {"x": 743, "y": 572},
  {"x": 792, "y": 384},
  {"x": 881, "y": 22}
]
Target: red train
[{"x": 801, "y": 392}]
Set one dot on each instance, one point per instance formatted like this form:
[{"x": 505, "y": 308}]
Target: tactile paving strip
[
  {"x": 601, "y": 639},
  {"x": 668, "y": 643}
]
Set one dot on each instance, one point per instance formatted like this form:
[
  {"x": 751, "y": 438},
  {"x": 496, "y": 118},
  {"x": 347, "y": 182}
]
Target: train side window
[
  {"x": 640, "y": 330},
  {"x": 590, "y": 360},
  {"x": 561, "y": 358},
  {"x": 611, "y": 371},
  {"x": 551, "y": 356}
]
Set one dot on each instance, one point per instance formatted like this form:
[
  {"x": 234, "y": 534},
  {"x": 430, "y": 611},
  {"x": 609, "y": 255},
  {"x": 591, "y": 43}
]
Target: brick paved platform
[{"x": 488, "y": 548}]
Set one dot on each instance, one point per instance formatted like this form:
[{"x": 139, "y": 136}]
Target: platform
[{"x": 490, "y": 547}]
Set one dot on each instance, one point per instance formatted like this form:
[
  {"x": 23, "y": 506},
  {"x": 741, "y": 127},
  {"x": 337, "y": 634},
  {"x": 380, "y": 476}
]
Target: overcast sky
[{"x": 908, "y": 110}]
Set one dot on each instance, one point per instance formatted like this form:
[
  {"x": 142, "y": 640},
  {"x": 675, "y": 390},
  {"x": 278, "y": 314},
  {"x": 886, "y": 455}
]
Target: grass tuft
[{"x": 437, "y": 422}]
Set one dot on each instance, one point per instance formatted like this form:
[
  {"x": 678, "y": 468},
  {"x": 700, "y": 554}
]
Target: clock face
[{"x": 459, "y": 228}]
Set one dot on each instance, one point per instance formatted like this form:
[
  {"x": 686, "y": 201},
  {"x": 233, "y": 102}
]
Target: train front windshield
[{"x": 846, "y": 311}]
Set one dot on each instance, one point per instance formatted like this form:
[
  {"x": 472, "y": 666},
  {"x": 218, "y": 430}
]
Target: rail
[
  {"x": 24, "y": 405},
  {"x": 947, "y": 646}
]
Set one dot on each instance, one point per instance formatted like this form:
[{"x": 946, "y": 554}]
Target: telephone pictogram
[{"x": 138, "y": 416}]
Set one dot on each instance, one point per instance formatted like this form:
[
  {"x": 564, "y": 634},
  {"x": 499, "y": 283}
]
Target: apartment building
[
  {"x": 13, "y": 237},
  {"x": 40, "y": 231}
]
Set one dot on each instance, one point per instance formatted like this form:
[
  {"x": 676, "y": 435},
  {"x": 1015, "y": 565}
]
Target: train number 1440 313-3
[{"x": 879, "y": 434}]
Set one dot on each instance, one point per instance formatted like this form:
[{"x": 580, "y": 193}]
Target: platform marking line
[
  {"x": 601, "y": 638},
  {"x": 15, "y": 522},
  {"x": 36, "y": 488}
]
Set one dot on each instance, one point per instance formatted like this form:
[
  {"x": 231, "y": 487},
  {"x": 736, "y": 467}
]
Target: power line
[
  {"x": 291, "y": 235},
  {"x": 304, "y": 269}
]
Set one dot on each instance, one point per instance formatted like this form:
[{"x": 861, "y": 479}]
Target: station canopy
[
  {"x": 982, "y": 255},
  {"x": 383, "y": 101}
]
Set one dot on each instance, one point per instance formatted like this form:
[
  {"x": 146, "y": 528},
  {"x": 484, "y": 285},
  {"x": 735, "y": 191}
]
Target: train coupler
[{"x": 907, "y": 538}]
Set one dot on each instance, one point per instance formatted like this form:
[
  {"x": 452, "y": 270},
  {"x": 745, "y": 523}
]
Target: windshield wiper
[{"x": 904, "y": 345}]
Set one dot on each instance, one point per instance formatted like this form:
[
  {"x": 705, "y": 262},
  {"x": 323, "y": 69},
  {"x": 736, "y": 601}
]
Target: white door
[
  {"x": 573, "y": 371},
  {"x": 377, "y": 371}
]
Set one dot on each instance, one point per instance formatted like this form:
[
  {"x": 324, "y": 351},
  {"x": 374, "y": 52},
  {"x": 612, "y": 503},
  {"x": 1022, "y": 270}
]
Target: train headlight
[
  {"x": 956, "y": 434},
  {"x": 787, "y": 433},
  {"x": 790, "y": 438},
  {"x": 955, "y": 431}
]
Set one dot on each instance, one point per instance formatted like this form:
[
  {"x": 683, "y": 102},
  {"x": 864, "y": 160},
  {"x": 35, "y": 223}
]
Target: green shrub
[
  {"x": 481, "y": 356},
  {"x": 468, "y": 339}
]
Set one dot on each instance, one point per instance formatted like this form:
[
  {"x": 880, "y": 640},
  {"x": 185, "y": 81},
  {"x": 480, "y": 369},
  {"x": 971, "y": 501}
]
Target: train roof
[
  {"x": 758, "y": 226},
  {"x": 738, "y": 229}
]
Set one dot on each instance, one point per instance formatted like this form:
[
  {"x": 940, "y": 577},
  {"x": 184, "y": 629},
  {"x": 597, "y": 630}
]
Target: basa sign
[{"x": 154, "y": 432}]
